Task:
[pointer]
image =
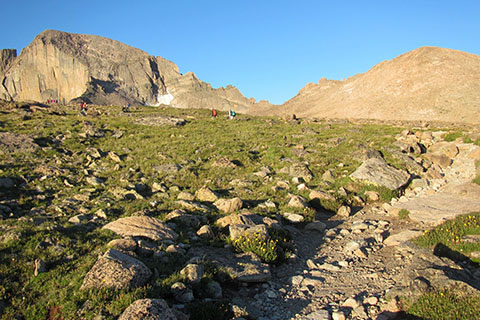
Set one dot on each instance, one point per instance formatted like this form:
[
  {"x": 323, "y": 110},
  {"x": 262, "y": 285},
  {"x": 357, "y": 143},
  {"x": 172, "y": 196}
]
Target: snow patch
[{"x": 165, "y": 99}]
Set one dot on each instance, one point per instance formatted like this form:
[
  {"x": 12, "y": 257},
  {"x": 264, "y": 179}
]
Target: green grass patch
[
  {"x": 404, "y": 214},
  {"x": 455, "y": 235},
  {"x": 446, "y": 304}
]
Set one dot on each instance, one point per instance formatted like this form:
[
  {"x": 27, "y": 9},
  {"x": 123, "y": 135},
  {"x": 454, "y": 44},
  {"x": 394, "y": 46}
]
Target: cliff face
[
  {"x": 428, "y": 83},
  {"x": 74, "y": 67},
  {"x": 6, "y": 57}
]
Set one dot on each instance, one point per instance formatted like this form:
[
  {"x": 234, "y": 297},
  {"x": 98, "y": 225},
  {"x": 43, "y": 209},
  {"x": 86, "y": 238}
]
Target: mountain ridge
[{"x": 428, "y": 83}]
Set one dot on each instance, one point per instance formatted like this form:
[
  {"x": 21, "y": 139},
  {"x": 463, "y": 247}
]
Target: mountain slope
[{"x": 428, "y": 83}]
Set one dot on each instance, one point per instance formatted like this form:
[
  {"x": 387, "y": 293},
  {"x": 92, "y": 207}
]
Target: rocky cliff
[
  {"x": 428, "y": 83},
  {"x": 75, "y": 67},
  {"x": 6, "y": 57}
]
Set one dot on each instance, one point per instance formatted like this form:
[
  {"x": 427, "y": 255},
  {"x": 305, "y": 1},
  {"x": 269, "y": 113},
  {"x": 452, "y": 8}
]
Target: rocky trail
[{"x": 366, "y": 261}]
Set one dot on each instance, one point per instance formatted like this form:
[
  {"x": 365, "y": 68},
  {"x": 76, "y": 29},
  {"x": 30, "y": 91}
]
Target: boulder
[
  {"x": 148, "y": 309},
  {"x": 181, "y": 293},
  {"x": 116, "y": 270},
  {"x": 182, "y": 217},
  {"x": 244, "y": 267},
  {"x": 297, "y": 202},
  {"x": 206, "y": 232},
  {"x": 142, "y": 226},
  {"x": 298, "y": 170},
  {"x": 193, "y": 206},
  {"x": 193, "y": 273},
  {"x": 449, "y": 149},
  {"x": 378, "y": 172},
  {"x": 206, "y": 194},
  {"x": 242, "y": 230},
  {"x": 293, "y": 217},
  {"x": 228, "y": 205},
  {"x": 439, "y": 158},
  {"x": 247, "y": 218}
]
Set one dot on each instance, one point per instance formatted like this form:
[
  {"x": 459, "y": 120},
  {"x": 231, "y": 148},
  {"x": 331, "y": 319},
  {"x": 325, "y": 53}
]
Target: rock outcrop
[
  {"x": 6, "y": 57},
  {"x": 75, "y": 67}
]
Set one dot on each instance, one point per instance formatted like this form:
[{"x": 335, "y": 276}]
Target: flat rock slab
[
  {"x": 437, "y": 208},
  {"x": 116, "y": 270},
  {"x": 142, "y": 226},
  {"x": 244, "y": 267},
  {"x": 151, "y": 309},
  {"x": 378, "y": 172},
  {"x": 13, "y": 142},
  {"x": 399, "y": 238}
]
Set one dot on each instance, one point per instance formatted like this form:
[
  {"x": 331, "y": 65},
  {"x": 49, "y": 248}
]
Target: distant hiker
[
  {"x": 126, "y": 108},
  {"x": 231, "y": 114},
  {"x": 83, "y": 109},
  {"x": 214, "y": 113}
]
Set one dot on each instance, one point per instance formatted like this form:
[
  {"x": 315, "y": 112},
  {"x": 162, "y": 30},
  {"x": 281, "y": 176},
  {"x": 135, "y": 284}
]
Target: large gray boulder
[
  {"x": 142, "y": 226},
  {"x": 148, "y": 309},
  {"x": 116, "y": 270},
  {"x": 376, "y": 171}
]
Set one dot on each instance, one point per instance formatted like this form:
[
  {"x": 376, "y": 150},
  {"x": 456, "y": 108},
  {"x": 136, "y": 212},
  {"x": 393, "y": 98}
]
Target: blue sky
[{"x": 268, "y": 49}]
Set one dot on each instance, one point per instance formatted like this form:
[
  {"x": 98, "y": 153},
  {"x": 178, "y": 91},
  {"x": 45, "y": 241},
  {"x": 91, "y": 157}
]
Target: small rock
[
  {"x": 154, "y": 309},
  {"x": 373, "y": 301},
  {"x": 40, "y": 267},
  {"x": 228, "y": 205},
  {"x": 351, "y": 246},
  {"x": 193, "y": 272},
  {"x": 297, "y": 202},
  {"x": 293, "y": 217},
  {"x": 206, "y": 194},
  {"x": 214, "y": 290},
  {"x": 206, "y": 232},
  {"x": 351, "y": 303},
  {"x": 181, "y": 293},
  {"x": 316, "y": 226},
  {"x": 344, "y": 211},
  {"x": 338, "y": 315}
]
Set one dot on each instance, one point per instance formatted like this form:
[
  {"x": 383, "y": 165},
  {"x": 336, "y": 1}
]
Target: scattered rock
[
  {"x": 228, "y": 205},
  {"x": 40, "y": 267},
  {"x": 116, "y": 270},
  {"x": 151, "y": 309},
  {"x": 142, "y": 226},
  {"x": 224, "y": 163},
  {"x": 298, "y": 170},
  {"x": 193, "y": 273},
  {"x": 206, "y": 232},
  {"x": 316, "y": 226},
  {"x": 181, "y": 293},
  {"x": 378, "y": 172},
  {"x": 297, "y": 202},
  {"x": 293, "y": 217},
  {"x": 344, "y": 211},
  {"x": 206, "y": 194}
]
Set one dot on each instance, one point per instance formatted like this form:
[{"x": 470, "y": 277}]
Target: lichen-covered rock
[
  {"x": 228, "y": 205},
  {"x": 206, "y": 194},
  {"x": 116, "y": 270},
  {"x": 298, "y": 170},
  {"x": 148, "y": 309},
  {"x": 378, "y": 172},
  {"x": 142, "y": 226}
]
